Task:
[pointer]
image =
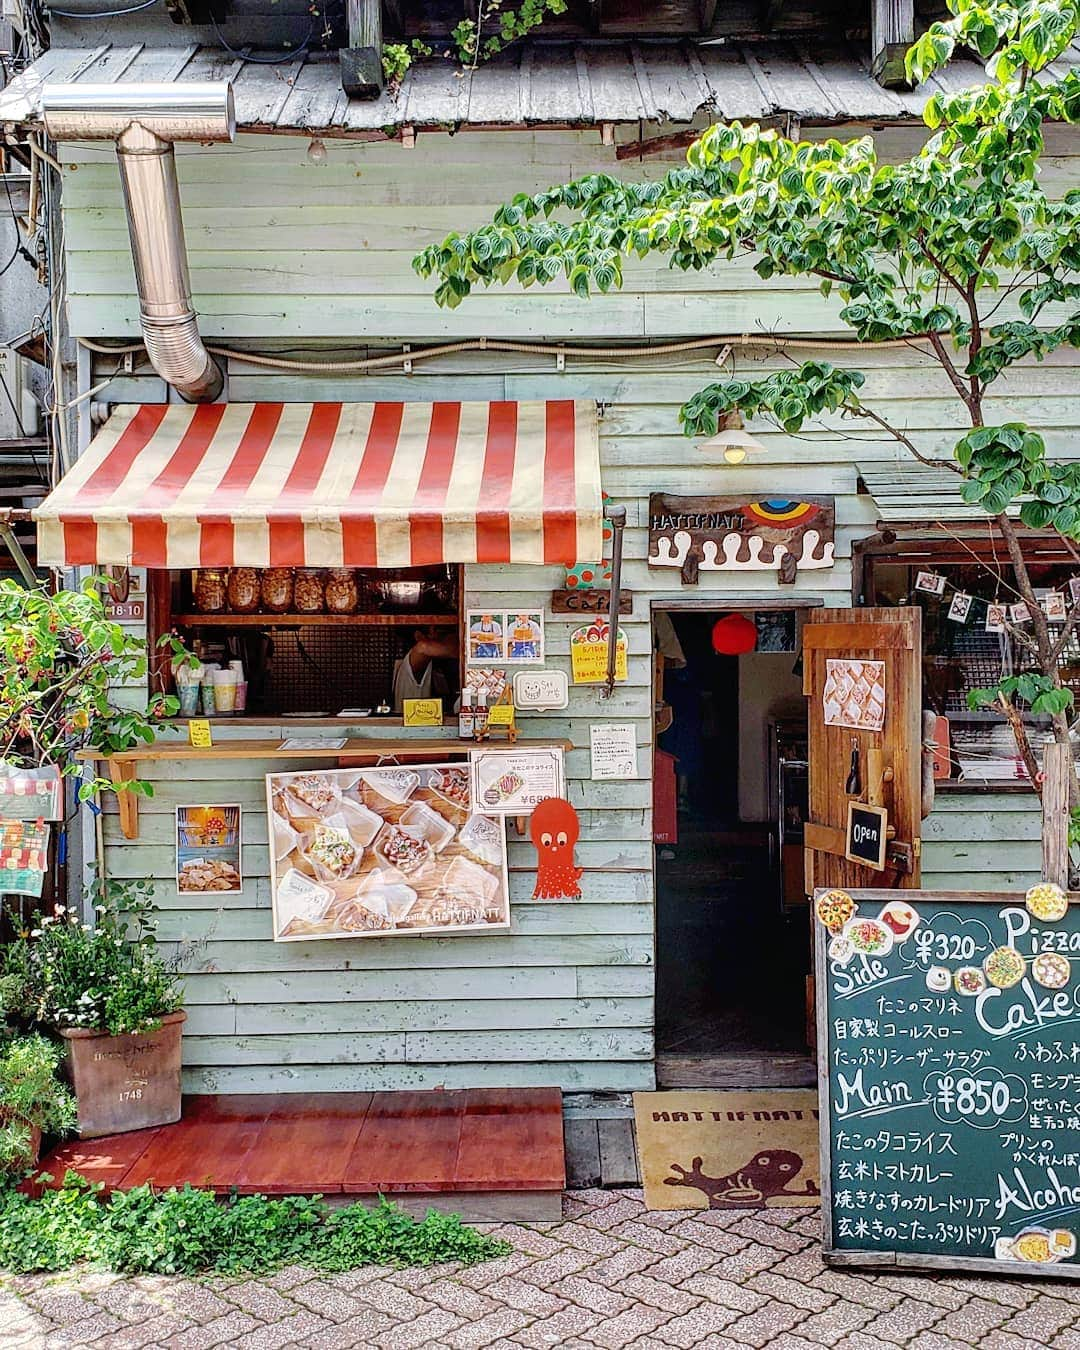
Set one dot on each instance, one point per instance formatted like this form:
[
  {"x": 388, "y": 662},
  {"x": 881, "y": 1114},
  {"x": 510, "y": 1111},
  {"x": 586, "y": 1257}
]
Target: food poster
[
  {"x": 502, "y": 636},
  {"x": 208, "y": 848},
  {"x": 24, "y": 857},
  {"x": 854, "y": 694},
  {"x": 948, "y": 1040},
  {"x": 589, "y": 654},
  {"x": 512, "y": 782},
  {"x": 369, "y": 852},
  {"x": 30, "y": 794}
]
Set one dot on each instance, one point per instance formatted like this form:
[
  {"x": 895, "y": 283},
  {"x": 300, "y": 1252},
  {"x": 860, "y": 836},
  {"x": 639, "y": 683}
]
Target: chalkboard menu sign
[{"x": 949, "y": 1079}]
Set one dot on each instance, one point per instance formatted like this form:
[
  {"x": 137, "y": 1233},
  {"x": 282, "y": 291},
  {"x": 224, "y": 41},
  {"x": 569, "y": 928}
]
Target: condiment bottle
[
  {"x": 480, "y": 715},
  {"x": 466, "y": 716}
]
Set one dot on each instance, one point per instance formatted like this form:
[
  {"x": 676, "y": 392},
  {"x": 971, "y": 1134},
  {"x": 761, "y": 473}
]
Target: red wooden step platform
[{"x": 481, "y": 1152}]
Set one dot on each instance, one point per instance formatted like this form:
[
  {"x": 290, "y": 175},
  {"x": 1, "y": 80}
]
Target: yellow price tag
[
  {"x": 199, "y": 732},
  {"x": 501, "y": 715},
  {"x": 423, "y": 712}
]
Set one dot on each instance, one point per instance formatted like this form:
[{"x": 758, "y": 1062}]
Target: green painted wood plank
[
  {"x": 508, "y": 1014},
  {"x": 573, "y": 1076},
  {"x": 393, "y": 953},
  {"x": 444, "y": 1047},
  {"x": 383, "y": 1047},
  {"x": 469, "y": 983},
  {"x": 248, "y": 925}
]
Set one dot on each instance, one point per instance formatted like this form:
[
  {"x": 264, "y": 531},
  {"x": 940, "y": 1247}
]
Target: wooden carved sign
[{"x": 720, "y": 534}]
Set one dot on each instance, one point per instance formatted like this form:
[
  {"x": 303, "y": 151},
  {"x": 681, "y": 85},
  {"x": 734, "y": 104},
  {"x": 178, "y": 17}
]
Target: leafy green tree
[{"x": 958, "y": 247}]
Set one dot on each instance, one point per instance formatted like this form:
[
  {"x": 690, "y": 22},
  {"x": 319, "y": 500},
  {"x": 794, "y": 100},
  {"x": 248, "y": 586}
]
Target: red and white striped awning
[{"x": 329, "y": 485}]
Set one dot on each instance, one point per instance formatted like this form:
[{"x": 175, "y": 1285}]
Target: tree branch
[{"x": 860, "y": 410}]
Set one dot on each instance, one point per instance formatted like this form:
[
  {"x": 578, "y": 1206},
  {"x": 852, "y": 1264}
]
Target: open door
[{"x": 887, "y": 763}]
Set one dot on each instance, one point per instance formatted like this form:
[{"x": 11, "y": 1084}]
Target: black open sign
[{"x": 867, "y": 828}]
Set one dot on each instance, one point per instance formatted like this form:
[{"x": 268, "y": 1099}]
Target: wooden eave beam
[
  {"x": 892, "y": 31},
  {"x": 706, "y": 16},
  {"x": 361, "y": 61}
]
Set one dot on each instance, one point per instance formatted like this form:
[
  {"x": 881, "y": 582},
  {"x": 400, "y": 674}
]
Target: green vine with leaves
[{"x": 473, "y": 40}]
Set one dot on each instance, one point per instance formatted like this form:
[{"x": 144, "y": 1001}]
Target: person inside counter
[{"x": 420, "y": 673}]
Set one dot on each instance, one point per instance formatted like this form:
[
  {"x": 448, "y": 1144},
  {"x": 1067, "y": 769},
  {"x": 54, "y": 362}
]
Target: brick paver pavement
[{"x": 610, "y": 1276}]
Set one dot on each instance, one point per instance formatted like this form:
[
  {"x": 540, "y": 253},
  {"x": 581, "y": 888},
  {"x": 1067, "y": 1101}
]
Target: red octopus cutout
[{"x": 555, "y": 828}]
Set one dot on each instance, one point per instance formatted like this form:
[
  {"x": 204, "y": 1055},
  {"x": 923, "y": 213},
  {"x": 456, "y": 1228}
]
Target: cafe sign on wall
[{"x": 719, "y": 534}]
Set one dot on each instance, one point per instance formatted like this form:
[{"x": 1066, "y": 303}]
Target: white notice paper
[{"x": 614, "y": 750}]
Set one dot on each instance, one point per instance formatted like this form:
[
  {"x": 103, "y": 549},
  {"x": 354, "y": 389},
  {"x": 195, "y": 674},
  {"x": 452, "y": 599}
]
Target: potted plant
[
  {"x": 115, "y": 1001},
  {"x": 33, "y": 1100}
]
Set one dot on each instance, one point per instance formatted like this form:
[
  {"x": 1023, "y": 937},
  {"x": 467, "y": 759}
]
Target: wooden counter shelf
[
  {"x": 122, "y": 766},
  {"x": 314, "y": 620}
]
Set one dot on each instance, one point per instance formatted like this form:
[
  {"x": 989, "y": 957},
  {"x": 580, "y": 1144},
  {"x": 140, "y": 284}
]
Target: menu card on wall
[
  {"x": 950, "y": 1064},
  {"x": 613, "y": 750}
]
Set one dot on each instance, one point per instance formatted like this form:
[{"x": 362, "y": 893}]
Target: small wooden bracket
[
  {"x": 123, "y": 771},
  {"x": 521, "y": 824}
]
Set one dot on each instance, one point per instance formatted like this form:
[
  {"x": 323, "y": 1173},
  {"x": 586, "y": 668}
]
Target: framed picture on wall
[{"x": 383, "y": 851}]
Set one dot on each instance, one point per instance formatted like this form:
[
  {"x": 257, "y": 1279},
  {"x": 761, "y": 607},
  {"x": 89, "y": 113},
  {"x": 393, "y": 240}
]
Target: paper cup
[
  {"x": 189, "y": 699},
  {"x": 209, "y": 702},
  {"x": 225, "y": 683}
]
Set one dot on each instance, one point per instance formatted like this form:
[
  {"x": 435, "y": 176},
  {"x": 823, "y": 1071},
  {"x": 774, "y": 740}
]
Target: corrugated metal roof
[
  {"x": 905, "y": 492},
  {"x": 538, "y": 84}
]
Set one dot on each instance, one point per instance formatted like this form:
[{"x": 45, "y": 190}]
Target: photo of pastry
[
  {"x": 374, "y": 852},
  {"x": 208, "y": 850}
]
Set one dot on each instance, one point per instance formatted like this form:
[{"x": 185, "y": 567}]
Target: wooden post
[
  {"x": 361, "y": 60},
  {"x": 892, "y": 31},
  {"x": 1055, "y": 805}
]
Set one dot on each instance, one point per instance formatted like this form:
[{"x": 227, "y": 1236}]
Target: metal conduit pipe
[{"x": 145, "y": 120}]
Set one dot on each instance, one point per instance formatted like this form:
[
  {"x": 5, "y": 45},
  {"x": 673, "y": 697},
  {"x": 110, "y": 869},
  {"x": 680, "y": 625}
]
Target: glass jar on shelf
[
  {"x": 243, "y": 590},
  {"x": 342, "y": 592},
  {"x": 277, "y": 590},
  {"x": 211, "y": 590},
  {"x": 309, "y": 593}
]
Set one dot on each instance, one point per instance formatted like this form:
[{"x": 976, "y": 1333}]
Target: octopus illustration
[
  {"x": 767, "y": 1174},
  {"x": 555, "y": 829}
]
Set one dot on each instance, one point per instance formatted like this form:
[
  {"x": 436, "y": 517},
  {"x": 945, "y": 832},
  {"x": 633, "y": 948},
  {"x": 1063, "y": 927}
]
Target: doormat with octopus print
[{"x": 728, "y": 1150}]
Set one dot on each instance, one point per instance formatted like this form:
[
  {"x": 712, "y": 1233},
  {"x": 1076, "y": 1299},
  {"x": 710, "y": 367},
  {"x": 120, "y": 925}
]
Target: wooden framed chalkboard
[
  {"x": 949, "y": 1079},
  {"x": 865, "y": 840}
]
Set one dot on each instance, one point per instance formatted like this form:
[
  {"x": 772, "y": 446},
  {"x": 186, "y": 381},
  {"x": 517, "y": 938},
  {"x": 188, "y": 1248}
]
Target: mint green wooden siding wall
[{"x": 285, "y": 252}]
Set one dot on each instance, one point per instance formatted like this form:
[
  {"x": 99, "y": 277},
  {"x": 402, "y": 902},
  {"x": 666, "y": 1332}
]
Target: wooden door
[{"x": 892, "y": 637}]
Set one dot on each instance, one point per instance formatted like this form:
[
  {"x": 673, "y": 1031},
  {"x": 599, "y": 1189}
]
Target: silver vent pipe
[{"x": 145, "y": 120}]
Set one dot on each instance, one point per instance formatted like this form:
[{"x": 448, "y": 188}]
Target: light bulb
[
  {"x": 734, "y": 454},
  {"x": 316, "y": 152}
]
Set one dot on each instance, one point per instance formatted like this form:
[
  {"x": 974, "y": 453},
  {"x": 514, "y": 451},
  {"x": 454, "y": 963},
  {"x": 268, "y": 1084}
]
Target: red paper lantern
[{"x": 733, "y": 634}]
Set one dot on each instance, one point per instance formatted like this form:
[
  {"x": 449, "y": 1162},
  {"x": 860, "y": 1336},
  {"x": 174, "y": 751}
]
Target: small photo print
[
  {"x": 930, "y": 582},
  {"x": 1054, "y": 604},
  {"x": 208, "y": 850},
  {"x": 960, "y": 608},
  {"x": 525, "y": 637},
  {"x": 995, "y": 618},
  {"x": 1019, "y": 613},
  {"x": 1074, "y": 590},
  {"x": 486, "y": 637}
]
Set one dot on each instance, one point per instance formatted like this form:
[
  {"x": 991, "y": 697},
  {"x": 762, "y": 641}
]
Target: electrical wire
[
  {"x": 522, "y": 348},
  {"x": 264, "y": 60},
  {"x": 99, "y": 13}
]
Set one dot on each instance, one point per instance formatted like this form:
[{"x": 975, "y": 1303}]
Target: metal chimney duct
[{"x": 145, "y": 120}]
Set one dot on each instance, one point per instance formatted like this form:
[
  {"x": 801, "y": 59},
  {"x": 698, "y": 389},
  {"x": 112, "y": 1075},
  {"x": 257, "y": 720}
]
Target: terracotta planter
[{"x": 126, "y": 1082}]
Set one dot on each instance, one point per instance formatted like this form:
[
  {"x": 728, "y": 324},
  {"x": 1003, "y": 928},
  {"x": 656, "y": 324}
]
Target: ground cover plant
[{"x": 191, "y": 1232}]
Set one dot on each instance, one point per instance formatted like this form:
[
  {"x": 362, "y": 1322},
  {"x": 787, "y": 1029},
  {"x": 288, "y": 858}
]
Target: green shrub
[
  {"x": 31, "y": 1097},
  {"x": 190, "y": 1232},
  {"x": 63, "y": 973}
]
